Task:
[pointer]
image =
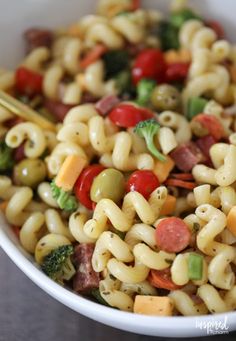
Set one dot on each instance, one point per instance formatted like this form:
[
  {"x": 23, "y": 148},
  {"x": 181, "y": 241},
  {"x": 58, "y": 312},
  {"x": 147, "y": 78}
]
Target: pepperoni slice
[
  {"x": 162, "y": 279},
  {"x": 211, "y": 124},
  {"x": 172, "y": 235}
]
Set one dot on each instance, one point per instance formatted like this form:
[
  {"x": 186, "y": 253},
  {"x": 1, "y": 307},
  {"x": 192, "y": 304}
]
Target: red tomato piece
[
  {"x": 84, "y": 183},
  {"x": 217, "y": 27},
  {"x": 177, "y": 72},
  {"x": 212, "y": 124},
  {"x": 94, "y": 204},
  {"x": 128, "y": 115},
  {"x": 172, "y": 235},
  {"x": 162, "y": 279},
  {"x": 143, "y": 181},
  {"x": 149, "y": 63},
  {"x": 28, "y": 82}
]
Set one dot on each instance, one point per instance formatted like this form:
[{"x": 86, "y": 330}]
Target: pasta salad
[{"x": 118, "y": 171}]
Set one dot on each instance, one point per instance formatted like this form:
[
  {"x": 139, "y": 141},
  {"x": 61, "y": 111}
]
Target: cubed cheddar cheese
[
  {"x": 69, "y": 172},
  {"x": 181, "y": 56},
  {"x": 153, "y": 305},
  {"x": 169, "y": 205},
  {"x": 163, "y": 169},
  {"x": 231, "y": 220}
]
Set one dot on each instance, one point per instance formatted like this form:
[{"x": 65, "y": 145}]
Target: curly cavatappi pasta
[{"x": 130, "y": 199}]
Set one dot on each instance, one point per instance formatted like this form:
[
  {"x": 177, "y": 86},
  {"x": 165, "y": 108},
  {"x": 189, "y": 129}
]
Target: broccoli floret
[
  {"x": 57, "y": 264},
  {"x": 179, "y": 18},
  {"x": 148, "y": 129},
  {"x": 6, "y": 157},
  {"x": 65, "y": 200},
  {"x": 115, "y": 62},
  {"x": 144, "y": 91}
]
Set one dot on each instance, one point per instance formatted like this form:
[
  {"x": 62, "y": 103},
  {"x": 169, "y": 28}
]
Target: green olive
[
  {"x": 165, "y": 97},
  {"x": 109, "y": 184},
  {"x": 30, "y": 172}
]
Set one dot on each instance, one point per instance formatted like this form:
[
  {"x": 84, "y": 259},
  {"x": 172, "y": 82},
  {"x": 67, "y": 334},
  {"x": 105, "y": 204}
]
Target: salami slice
[
  {"x": 36, "y": 37},
  {"x": 172, "y": 235},
  {"x": 106, "y": 104},
  {"x": 86, "y": 278},
  {"x": 205, "y": 143},
  {"x": 57, "y": 109},
  {"x": 186, "y": 156}
]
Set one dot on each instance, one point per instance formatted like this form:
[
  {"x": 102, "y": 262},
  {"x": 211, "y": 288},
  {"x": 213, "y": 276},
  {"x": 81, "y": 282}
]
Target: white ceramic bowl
[{"x": 15, "y": 17}]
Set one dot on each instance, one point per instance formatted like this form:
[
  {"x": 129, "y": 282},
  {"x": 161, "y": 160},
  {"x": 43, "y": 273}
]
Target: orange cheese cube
[
  {"x": 163, "y": 169},
  {"x": 153, "y": 305},
  {"x": 181, "y": 56},
  {"x": 69, "y": 172},
  {"x": 231, "y": 221},
  {"x": 169, "y": 205}
]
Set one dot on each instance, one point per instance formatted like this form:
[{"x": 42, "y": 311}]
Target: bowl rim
[{"x": 106, "y": 315}]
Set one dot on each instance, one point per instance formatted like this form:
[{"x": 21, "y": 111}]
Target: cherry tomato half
[
  {"x": 28, "y": 82},
  {"x": 149, "y": 63},
  {"x": 128, "y": 115},
  {"x": 84, "y": 182},
  {"x": 143, "y": 181},
  {"x": 217, "y": 27},
  {"x": 162, "y": 279},
  {"x": 177, "y": 72}
]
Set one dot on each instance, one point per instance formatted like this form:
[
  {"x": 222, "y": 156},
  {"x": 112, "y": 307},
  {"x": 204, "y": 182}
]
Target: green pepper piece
[
  {"x": 145, "y": 88},
  {"x": 177, "y": 19},
  {"x": 6, "y": 157},
  {"x": 195, "y": 106},
  {"x": 169, "y": 36},
  {"x": 195, "y": 266}
]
